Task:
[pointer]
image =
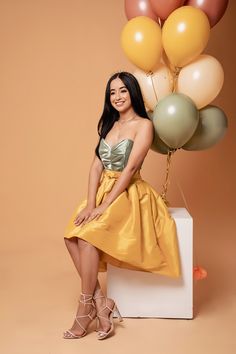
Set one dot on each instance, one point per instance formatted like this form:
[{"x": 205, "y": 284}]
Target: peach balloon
[
  {"x": 155, "y": 86},
  {"x": 185, "y": 35},
  {"x": 141, "y": 42},
  {"x": 201, "y": 80}
]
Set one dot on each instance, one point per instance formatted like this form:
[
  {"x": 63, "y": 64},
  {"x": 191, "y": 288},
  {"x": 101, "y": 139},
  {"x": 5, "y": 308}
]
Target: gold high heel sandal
[
  {"x": 114, "y": 309},
  {"x": 68, "y": 334}
]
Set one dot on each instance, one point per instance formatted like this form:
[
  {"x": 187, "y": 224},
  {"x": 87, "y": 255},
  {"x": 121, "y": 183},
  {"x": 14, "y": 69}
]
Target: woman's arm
[
  {"x": 94, "y": 178},
  {"x": 142, "y": 143}
]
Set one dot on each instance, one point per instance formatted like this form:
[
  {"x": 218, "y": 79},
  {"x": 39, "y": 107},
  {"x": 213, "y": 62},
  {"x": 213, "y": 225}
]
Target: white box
[{"x": 143, "y": 294}]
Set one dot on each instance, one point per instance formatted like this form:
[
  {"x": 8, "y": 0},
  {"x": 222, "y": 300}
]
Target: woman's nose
[{"x": 117, "y": 95}]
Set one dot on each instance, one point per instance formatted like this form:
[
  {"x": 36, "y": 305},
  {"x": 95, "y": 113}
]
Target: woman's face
[{"x": 119, "y": 95}]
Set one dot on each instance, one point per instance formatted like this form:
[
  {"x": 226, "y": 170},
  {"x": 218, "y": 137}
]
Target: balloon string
[
  {"x": 167, "y": 177},
  {"x": 151, "y": 74},
  {"x": 174, "y": 71},
  {"x": 175, "y": 74},
  {"x": 182, "y": 194},
  {"x": 187, "y": 207}
]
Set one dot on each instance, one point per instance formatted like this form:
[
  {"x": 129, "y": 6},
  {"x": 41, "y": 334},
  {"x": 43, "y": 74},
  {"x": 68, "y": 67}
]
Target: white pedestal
[{"x": 143, "y": 294}]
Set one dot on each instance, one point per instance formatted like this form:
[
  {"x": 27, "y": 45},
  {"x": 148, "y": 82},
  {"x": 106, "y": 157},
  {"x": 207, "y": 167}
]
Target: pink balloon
[
  {"x": 214, "y": 9},
  {"x": 163, "y": 8},
  {"x": 134, "y": 8}
]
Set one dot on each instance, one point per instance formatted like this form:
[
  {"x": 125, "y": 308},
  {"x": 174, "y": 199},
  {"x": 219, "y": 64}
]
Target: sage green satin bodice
[{"x": 115, "y": 157}]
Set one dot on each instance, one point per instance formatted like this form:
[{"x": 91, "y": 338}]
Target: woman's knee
[
  {"x": 82, "y": 243},
  {"x": 70, "y": 241}
]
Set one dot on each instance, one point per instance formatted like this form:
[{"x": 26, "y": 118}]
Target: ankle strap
[
  {"x": 84, "y": 300},
  {"x": 98, "y": 297}
]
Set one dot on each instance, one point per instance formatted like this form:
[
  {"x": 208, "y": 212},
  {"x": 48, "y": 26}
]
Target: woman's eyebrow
[{"x": 119, "y": 88}]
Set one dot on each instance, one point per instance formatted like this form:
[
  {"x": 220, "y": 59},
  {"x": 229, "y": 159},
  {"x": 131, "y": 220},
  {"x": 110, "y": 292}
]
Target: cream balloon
[
  {"x": 201, "y": 80},
  {"x": 155, "y": 86}
]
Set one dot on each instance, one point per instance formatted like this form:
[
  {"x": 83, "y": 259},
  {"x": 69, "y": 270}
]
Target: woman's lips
[{"x": 119, "y": 103}]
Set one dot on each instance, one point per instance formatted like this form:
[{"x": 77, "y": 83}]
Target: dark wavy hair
[{"x": 110, "y": 114}]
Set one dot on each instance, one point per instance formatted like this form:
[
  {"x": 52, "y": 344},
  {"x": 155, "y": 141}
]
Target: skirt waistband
[{"x": 115, "y": 174}]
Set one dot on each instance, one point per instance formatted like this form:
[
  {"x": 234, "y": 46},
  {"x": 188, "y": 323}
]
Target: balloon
[
  {"x": 141, "y": 42},
  {"x": 134, "y": 8},
  {"x": 175, "y": 119},
  {"x": 158, "y": 145},
  {"x": 163, "y": 8},
  {"x": 185, "y": 34},
  {"x": 199, "y": 273},
  {"x": 155, "y": 86},
  {"x": 211, "y": 128},
  {"x": 214, "y": 9},
  {"x": 201, "y": 80}
]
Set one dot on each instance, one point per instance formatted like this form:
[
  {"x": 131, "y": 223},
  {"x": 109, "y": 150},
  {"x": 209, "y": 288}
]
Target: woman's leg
[
  {"x": 73, "y": 249},
  {"x": 85, "y": 258},
  {"x": 89, "y": 260}
]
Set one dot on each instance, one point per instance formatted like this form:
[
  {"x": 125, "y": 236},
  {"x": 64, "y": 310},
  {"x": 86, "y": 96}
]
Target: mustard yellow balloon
[
  {"x": 141, "y": 42},
  {"x": 185, "y": 34}
]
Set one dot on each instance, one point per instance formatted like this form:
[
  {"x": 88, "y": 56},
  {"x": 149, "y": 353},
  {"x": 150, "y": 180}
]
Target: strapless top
[{"x": 115, "y": 157}]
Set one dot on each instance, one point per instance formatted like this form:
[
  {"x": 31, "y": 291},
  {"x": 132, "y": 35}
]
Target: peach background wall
[{"x": 56, "y": 57}]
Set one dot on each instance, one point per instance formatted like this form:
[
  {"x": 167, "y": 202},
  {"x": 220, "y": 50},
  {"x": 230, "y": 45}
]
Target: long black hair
[{"x": 110, "y": 114}]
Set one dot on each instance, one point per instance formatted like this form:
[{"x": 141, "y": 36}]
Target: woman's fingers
[
  {"x": 84, "y": 219},
  {"x": 80, "y": 217},
  {"x": 78, "y": 220},
  {"x": 92, "y": 217}
]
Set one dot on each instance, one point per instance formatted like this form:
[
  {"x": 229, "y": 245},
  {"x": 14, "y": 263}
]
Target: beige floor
[{"x": 39, "y": 298}]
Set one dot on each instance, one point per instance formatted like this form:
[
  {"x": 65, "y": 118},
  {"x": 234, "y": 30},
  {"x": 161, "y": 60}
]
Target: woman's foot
[
  {"x": 105, "y": 308},
  {"x": 100, "y": 303},
  {"x": 85, "y": 315}
]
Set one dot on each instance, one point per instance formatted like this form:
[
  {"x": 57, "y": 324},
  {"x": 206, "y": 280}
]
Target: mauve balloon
[
  {"x": 134, "y": 8},
  {"x": 214, "y": 9},
  {"x": 163, "y": 8}
]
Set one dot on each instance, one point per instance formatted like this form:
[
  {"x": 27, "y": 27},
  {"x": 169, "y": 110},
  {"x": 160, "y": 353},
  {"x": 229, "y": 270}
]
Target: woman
[{"x": 123, "y": 221}]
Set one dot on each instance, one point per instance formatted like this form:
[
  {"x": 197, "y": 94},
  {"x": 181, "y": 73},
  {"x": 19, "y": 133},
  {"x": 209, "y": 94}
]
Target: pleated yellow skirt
[{"x": 136, "y": 230}]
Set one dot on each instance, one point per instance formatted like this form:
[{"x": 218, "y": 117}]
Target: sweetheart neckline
[{"x": 111, "y": 147}]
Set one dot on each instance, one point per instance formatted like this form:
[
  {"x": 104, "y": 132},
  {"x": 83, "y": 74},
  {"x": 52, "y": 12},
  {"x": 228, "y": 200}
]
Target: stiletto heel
[
  {"x": 118, "y": 314},
  {"x": 113, "y": 310},
  {"x": 68, "y": 334}
]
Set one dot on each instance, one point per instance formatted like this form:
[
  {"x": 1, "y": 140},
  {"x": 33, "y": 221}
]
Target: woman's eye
[{"x": 123, "y": 90}]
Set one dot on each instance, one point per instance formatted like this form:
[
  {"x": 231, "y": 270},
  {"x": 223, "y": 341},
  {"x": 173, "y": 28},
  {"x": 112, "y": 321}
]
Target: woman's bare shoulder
[
  {"x": 144, "y": 123},
  {"x": 143, "y": 120}
]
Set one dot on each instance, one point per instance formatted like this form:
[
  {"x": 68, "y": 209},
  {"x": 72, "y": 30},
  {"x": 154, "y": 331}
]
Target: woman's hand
[
  {"x": 83, "y": 215},
  {"x": 88, "y": 214}
]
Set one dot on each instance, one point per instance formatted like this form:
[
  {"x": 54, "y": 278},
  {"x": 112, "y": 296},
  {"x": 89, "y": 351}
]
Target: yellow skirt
[{"x": 136, "y": 230}]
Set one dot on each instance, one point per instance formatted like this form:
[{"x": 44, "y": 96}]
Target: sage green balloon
[
  {"x": 175, "y": 119},
  {"x": 157, "y": 145},
  {"x": 211, "y": 129}
]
